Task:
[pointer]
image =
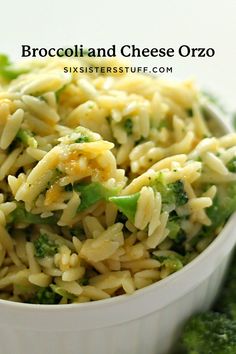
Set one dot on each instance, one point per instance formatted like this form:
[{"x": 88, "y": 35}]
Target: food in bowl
[{"x": 109, "y": 183}]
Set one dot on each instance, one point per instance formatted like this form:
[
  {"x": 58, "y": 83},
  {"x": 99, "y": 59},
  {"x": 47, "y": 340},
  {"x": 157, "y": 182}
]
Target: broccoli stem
[
  {"x": 20, "y": 215},
  {"x": 92, "y": 193}
]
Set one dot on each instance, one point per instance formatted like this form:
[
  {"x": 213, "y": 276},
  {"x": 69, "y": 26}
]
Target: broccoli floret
[
  {"x": 128, "y": 126},
  {"x": 231, "y": 165},
  {"x": 83, "y": 139},
  {"x": 227, "y": 300},
  {"x": 176, "y": 233},
  {"x": 7, "y": 70},
  {"x": 224, "y": 204},
  {"x": 45, "y": 296},
  {"x": 180, "y": 194},
  {"x": 209, "y": 333},
  {"x": 167, "y": 195},
  {"x": 174, "y": 228},
  {"x": 26, "y": 137},
  {"x": 172, "y": 193},
  {"x": 44, "y": 247}
]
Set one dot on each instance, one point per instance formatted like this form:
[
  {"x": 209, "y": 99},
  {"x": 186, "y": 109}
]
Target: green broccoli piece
[
  {"x": 62, "y": 292},
  {"x": 84, "y": 135},
  {"x": 83, "y": 139},
  {"x": 172, "y": 193},
  {"x": 45, "y": 296},
  {"x": 26, "y": 138},
  {"x": 174, "y": 228},
  {"x": 224, "y": 205},
  {"x": 231, "y": 165},
  {"x": 4, "y": 60},
  {"x": 20, "y": 215},
  {"x": 176, "y": 233},
  {"x": 234, "y": 120},
  {"x": 167, "y": 195},
  {"x": 179, "y": 192},
  {"x": 127, "y": 204},
  {"x": 92, "y": 193},
  {"x": 189, "y": 112},
  {"x": 7, "y": 70},
  {"x": 44, "y": 247},
  {"x": 227, "y": 300},
  {"x": 128, "y": 126},
  {"x": 173, "y": 262},
  {"x": 209, "y": 333}
]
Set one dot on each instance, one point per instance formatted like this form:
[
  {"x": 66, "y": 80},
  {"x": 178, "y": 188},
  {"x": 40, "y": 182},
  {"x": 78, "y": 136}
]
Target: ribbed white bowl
[{"x": 146, "y": 322}]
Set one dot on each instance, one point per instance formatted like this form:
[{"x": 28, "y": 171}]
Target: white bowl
[{"x": 146, "y": 322}]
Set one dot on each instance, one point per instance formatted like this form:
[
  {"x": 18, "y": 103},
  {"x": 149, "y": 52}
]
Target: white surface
[{"x": 149, "y": 23}]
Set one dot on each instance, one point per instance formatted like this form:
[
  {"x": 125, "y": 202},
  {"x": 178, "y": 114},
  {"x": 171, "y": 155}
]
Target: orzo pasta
[{"x": 108, "y": 183}]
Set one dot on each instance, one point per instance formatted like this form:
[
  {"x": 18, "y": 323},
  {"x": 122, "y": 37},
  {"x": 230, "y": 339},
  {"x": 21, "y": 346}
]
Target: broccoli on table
[
  {"x": 44, "y": 247},
  {"x": 209, "y": 333}
]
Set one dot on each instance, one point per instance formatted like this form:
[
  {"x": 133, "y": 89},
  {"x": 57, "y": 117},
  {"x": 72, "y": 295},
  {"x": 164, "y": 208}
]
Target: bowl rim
[{"x": 218, "y": 115}]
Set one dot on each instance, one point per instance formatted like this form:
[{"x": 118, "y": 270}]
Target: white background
[{"x": 149, "y": 23}]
